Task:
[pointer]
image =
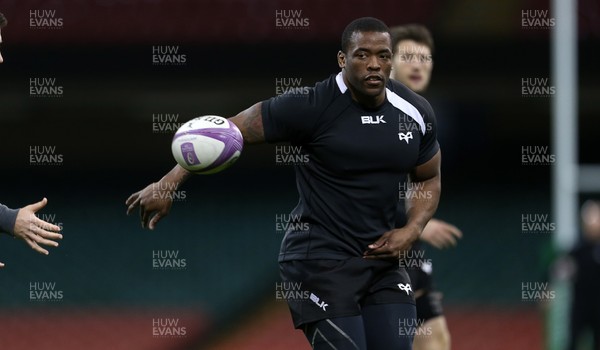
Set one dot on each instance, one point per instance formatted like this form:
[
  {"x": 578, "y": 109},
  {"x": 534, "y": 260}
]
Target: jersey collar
[{"x": 340, "y": 83}]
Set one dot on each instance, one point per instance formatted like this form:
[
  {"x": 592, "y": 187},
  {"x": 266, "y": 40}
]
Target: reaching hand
[
  {"x": 440, "y": 234},
  {"x": 35, "y": 231},
  {"x": 154, "y": 202}
]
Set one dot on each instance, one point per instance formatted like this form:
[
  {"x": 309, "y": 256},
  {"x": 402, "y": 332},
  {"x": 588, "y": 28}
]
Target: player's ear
[{"x": 341, "y": 57}]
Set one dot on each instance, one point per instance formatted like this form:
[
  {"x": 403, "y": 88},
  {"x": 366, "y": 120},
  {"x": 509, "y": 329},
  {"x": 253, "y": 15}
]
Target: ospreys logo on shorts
[
  {"x": 320, "y": 303},
  {"x": 405, "y": 287}
]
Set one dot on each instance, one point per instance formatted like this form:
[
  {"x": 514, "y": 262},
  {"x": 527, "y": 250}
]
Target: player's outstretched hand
[
  {"x": 35, "y": 231},
  {"x": 154, "y": 201},
  {"x": 440, "y": 234},
  {"x": 392, "y": 244}
]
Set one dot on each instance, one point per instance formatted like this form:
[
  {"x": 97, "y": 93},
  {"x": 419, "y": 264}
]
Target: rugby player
[{"x": 360, "y": 297}]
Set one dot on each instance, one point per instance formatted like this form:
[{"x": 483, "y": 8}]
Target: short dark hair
[
  {"x": 415, "y": 32},
  {"x": 363, "y": 24},
  {"x": 3, "y": 21}
]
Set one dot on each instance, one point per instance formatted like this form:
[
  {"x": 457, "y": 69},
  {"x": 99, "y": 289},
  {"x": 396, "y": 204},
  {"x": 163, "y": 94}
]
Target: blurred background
[{"x": 92, "y": 91}]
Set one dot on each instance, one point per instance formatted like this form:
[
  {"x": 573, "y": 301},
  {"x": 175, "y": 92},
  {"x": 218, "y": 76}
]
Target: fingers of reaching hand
[
  {"x": 46, "y": 234},
  {"x": 155, "y": 219},
  {"x": 45, "y": 227},
  {"x": 41, "y": 240},
  {"x": 41, "y": 232},
  {"x": 153, "y": 210},
  {"x": 144, "y": 215},
  {"x": 149, "y": 215},
  {"x": 153, "y": 205},
  {"x": 34, "y": 245},
  {"x": 39, "y": 235},
  {"x": 132, "y": 202}
]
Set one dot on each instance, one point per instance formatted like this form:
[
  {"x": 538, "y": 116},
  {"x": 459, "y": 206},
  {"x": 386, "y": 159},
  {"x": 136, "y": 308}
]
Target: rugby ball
[{"x": 207, "y": 144}]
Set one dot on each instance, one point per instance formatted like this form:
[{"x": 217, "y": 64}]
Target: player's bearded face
[{"x": 368, "y": 63}]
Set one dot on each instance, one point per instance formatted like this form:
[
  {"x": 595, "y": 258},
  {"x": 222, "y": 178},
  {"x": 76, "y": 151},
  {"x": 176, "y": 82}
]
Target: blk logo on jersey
[
  {"x": 372, "y": 119},
  {"x": 405, "y": 287},
  {"x": 405, "y": 136}
]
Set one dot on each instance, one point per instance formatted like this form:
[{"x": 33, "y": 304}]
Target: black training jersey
[{"x": 356, "y": 158}]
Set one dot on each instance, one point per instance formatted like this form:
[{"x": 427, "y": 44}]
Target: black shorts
[
  {"x": 419, "y": 268},
  {"x": 429, "y": 305},
  {"x": 321, "y": 289}
]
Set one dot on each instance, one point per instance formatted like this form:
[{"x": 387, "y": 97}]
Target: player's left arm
[{"x": 427, "y": 181}]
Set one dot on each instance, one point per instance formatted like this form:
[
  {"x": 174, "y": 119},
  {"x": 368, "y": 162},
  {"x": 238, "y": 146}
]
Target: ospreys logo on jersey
[
  {"x": 372, "y": 119},
  {"x": 405, "y": 136}
]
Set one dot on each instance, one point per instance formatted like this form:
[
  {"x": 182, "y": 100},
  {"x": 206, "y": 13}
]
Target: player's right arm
[
  {"x": 250, "y": 124},
  {"x": 155, "y": 205}
]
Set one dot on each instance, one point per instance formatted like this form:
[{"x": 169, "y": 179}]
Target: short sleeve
[
  {"x": 429, "y": 143},
  {"x": 290, "y": 117}
]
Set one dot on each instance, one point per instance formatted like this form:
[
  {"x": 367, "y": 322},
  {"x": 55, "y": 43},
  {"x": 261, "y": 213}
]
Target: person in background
[
  {"x": 22, "y": 223},
  {"x": 585, "y": 305},
  {"x": 412, "y": 64}
]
